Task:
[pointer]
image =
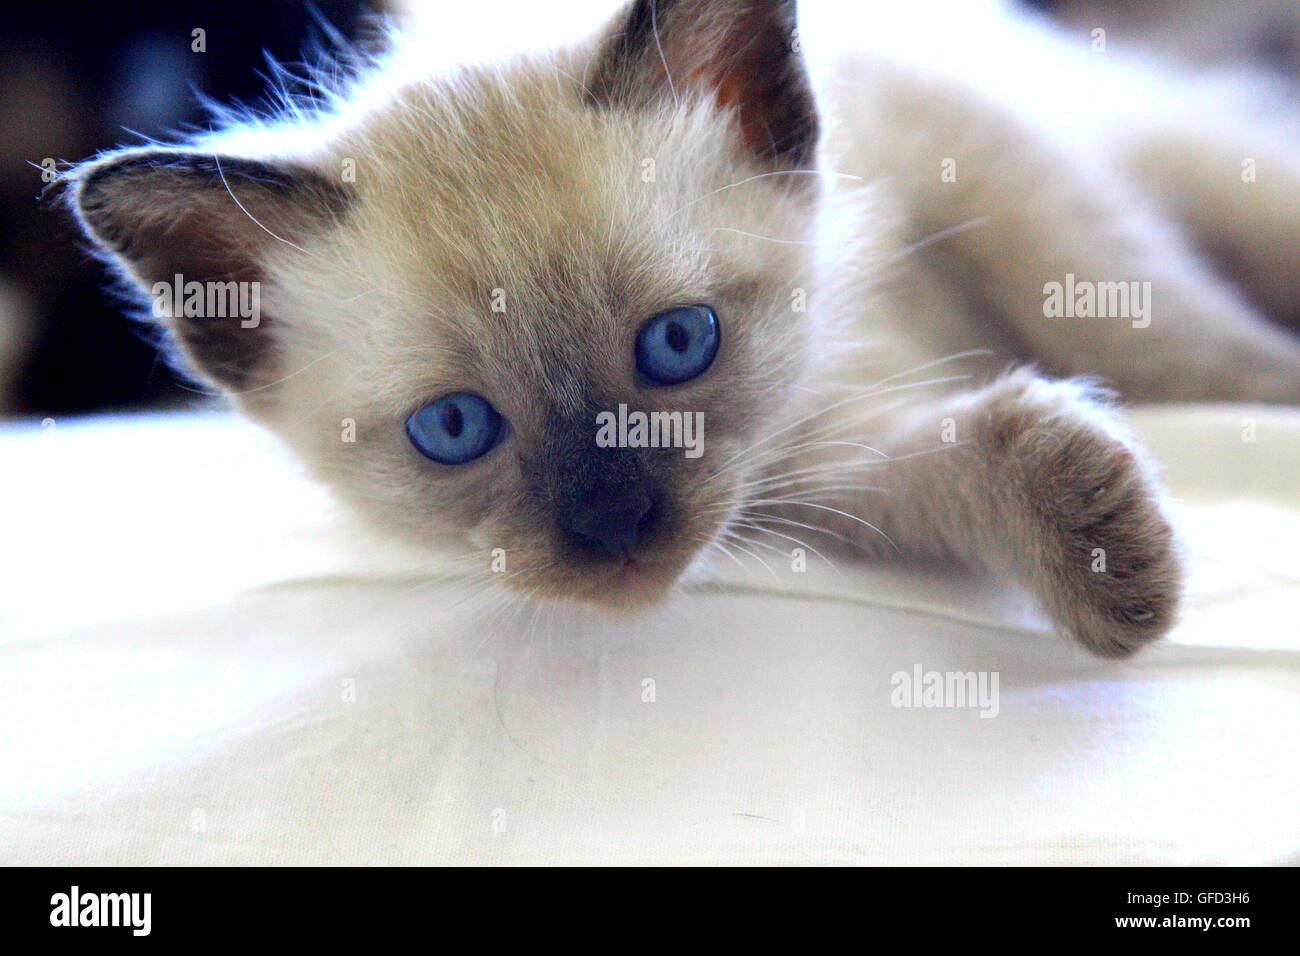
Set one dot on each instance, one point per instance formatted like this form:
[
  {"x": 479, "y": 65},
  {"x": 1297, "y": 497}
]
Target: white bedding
[{"x": 195, "y": 671}]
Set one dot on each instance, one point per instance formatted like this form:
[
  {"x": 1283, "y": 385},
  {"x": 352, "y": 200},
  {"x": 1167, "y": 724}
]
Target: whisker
[
  {"x": 810, "y": 504},
  {"x": 870, "y": 392},
  {"x": 750, "y": 179},
  {"x": 939, "y": 237},
  {"x": 733, "y": 539},
  {"x": 787, "y": 537},
  {"x": 820, "y": 529}
]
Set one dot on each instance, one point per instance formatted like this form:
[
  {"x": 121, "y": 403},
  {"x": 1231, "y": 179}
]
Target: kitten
[{"x": 680, "y": 216}]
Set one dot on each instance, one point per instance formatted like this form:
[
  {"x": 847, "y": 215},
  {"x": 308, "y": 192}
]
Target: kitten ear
[
  {"x": 741, "y": 51},
  {"x": 176, "y": 218}
]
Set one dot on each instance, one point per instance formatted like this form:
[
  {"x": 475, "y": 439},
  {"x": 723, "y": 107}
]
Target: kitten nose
[{"x": 614, "y": 522}]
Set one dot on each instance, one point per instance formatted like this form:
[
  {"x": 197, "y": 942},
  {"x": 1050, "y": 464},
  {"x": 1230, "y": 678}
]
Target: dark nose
[{"x": 613, "y": 522}]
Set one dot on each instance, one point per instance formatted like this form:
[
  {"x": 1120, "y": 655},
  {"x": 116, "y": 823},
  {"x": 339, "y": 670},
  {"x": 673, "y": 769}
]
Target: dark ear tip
[
  {"x": 90, "y": 187},
  {"x": 742, "y": 49},
  {"x": 90, "y": 176},
  {"x": 83, "y": 186},
  {"x": 182, "y": 163}
]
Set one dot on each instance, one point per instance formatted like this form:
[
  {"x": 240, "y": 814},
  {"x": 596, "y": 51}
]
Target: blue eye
[
  {"x": 455, "y": 429},
  {"x": 677, "y": 345}
]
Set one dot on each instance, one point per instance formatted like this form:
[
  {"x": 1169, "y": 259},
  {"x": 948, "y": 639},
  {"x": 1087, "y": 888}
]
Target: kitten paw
[{"x": 1085, "y": 515}]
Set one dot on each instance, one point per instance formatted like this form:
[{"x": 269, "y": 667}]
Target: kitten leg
[
  {"x": 1238, "y": 193},
  {"x": 1026, "y": 212},
  {"x": 1200, "y": 338},
  {"x": 1042, "y": 483}
]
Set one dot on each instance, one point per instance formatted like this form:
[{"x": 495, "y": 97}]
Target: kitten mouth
[
  {"x": 636, "y": 574},
  {"x": 633, "y": 583}
]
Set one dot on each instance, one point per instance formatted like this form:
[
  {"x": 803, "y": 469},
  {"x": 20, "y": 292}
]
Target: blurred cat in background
[{"x": 887, "y": 261}]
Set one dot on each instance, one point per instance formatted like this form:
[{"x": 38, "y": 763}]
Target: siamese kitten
[{"x": 682, "y": 215}]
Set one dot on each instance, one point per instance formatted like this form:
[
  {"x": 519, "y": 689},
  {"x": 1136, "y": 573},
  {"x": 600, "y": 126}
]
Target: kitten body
[{"x": 859, "y": 228}]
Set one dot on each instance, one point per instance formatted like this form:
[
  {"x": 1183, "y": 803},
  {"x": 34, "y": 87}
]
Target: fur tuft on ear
[
  {"x": 742, "y": 52},
  {"x": 193, "y": 231}
]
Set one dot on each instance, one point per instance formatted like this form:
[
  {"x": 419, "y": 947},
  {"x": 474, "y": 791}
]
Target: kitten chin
[{"x": 634, "y": 586}]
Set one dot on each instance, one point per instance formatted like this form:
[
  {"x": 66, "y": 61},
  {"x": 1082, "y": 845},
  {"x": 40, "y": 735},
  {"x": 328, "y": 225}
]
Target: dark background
[{"x": 75, "y": 79}]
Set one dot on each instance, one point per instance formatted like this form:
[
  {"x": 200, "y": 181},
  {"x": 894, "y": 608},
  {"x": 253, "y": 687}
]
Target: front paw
[{"x": 1085, "y": 513}]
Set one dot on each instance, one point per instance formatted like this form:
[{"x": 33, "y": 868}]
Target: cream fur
[{"x": 499, "y": 176}]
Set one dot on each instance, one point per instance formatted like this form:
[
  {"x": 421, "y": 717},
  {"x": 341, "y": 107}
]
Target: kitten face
[
  {"x": 508, "y": 234},
  {"x": 578, "y": 259}
]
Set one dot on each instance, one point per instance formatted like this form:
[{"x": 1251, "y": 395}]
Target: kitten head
[{"x": 458, "y": 287}]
